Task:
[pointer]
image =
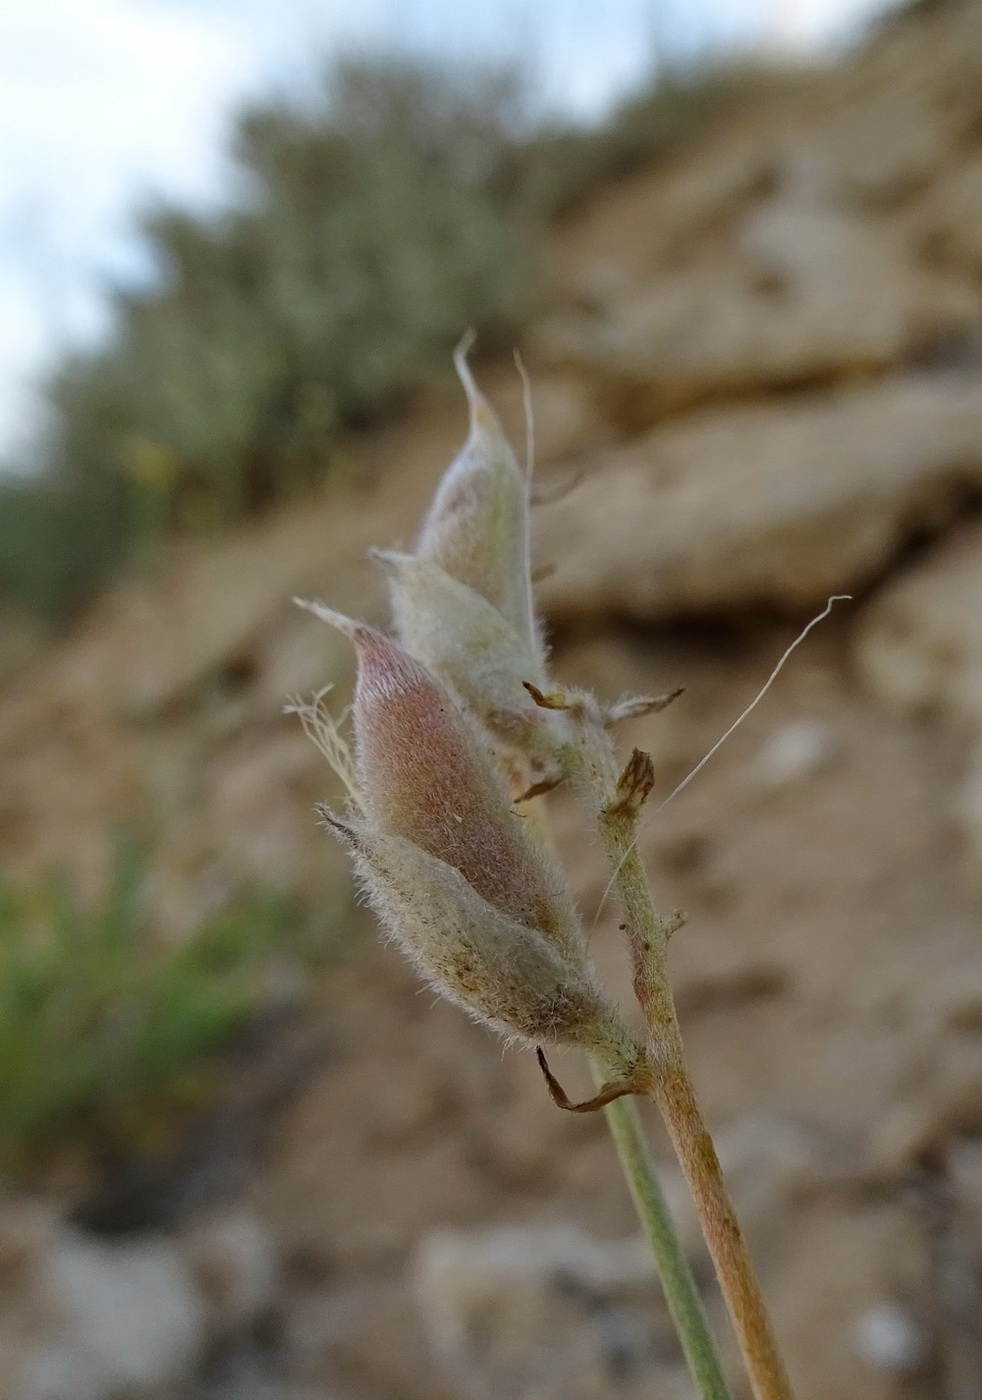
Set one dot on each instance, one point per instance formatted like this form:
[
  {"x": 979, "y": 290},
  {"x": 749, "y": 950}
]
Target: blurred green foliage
[
  {"x": 373, "y": 223},
  {"x": 367, "y": 235},
  {"x": 104, "y": 1029},
  {"x": 60, "y": 536}
]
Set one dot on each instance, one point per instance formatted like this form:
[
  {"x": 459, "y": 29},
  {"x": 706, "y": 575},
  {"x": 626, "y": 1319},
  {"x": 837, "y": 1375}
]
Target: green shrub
[
  {"x": 368, "y": 238},
  {"x": 59, "y": 539},
  {"x": 375, "y": 222},
  {"x": 102, "y": 1027}
]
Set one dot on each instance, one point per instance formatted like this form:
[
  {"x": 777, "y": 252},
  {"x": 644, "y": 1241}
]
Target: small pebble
[
  {"x": 794, "y": 751},
  {"x": 889, "y": 1339}
]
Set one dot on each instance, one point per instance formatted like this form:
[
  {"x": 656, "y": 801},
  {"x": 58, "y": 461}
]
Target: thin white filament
[
  {"x": 836, "y": 598},
  {"x": 529, "y": 415},
  {"x": 324, "y": 731}
]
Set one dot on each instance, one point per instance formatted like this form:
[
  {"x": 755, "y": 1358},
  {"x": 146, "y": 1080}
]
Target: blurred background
[{"x": 739, "y": 244}]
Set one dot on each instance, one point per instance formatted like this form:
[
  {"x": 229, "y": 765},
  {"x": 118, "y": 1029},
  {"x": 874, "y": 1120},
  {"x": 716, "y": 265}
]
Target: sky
[{"x": 108, "y": 104}]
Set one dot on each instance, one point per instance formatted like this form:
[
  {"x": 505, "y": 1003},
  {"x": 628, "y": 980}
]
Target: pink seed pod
[
  {"x": 426, "y": 774},
  {"x": 451, "y": 869},
  {"x": 477, "y": 529}
]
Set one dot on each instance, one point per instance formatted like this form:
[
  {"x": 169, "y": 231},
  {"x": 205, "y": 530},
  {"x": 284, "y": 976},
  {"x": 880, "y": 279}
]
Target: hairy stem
[
  {"x": 678, "y": 1285},
  {"x": 681, "y": 1294},
  {"x": 675, "y": 1098},
  {"x": 618, "y": 799}
]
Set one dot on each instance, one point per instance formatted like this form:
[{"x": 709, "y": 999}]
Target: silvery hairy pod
[
  {"x": 505, "y": 974},
  {"x": 462, "y": 603},
  {"x": 477, "y": 528},
  {"x": 466, "y": 641},
  {"x": 451, "y": 870}
]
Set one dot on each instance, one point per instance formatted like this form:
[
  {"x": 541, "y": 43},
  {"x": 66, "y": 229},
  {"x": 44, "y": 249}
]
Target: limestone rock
[
  {"x": 919, "y": 649},
  {"x": 803, "y": 243},
  {"x": 919, "y": 646},
  {"x": 963, "y": 1168},
  {"x": 943, "y": 1106},
  {"x": 546, "y": 1312},
  {"x": 803, "y": 292},
  {"x": 777, "y": 506},
  {"x": 202, "y": 611},
  {"x": 950, "y": 219},
  {"x": 233, "y": 1260},
  {"x": 128, "y": 1319},
  {"x": 88, "y": 1318},
  {"x": 966, "y": 809}
]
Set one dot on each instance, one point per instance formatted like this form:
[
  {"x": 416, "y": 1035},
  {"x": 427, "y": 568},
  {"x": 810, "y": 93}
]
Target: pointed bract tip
[
  {"x": 347, "y": 625},
  {"x": 333, "y": 822},
  {"x": 462, "y": 349},
  {"x": 368, "y": 642},
  {"x": 482, "y": 414},
  {"x": 390, "y": 561}
]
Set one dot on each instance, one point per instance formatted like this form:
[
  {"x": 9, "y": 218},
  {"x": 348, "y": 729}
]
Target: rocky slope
[{"x": 764, "y": 365}]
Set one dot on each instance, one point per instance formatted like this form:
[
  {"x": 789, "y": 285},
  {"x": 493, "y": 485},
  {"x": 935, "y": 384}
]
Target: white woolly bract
[
  {"x": 461, "y": 637},
  {"x": 477, "y": 528},
  {"x": 464, "y": 640},
  {"x": 503, "y": 973}
]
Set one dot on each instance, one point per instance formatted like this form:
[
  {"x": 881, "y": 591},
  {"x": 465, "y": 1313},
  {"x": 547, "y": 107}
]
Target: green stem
[{"x": 679, "y": 1286}]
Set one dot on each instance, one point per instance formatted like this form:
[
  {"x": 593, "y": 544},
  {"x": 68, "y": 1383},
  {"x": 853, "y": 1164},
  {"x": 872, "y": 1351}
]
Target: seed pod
[
  {"x": 503, "y": 973},
  {"x": 477, "y": 529},
  {"x": 426, "y": 774},
  {"x": 465, "y": 641},
  {"x": 451, "y": 869}
]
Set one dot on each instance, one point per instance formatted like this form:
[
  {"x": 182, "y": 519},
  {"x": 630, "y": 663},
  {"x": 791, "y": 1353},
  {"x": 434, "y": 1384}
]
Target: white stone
[
  {"x": 124, "y": 1317},
  {"x": 889, "y": 1339},
  {"x": 794, "y": 751},
  {"x": 546, "y": 1313}
]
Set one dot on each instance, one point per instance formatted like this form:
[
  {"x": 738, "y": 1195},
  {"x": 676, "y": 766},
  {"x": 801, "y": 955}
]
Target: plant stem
[
  {"x": 675, "y": 1098},
  {"x": 679, "y": 1287},
  {"x": 618, "y": 799}
]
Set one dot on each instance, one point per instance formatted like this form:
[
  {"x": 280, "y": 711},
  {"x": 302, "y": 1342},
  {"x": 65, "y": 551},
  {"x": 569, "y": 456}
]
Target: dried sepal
[
  {"x": 553, "y": 700},
  {"x": 348, "y": 626},
  {"x": 633, "y": 786},
  {"x": 580, "y": 705},
  {"x": 638, "y": 1083},
  {"x": 635, "y": 706},
  {"x": 539, "y": 789}
]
